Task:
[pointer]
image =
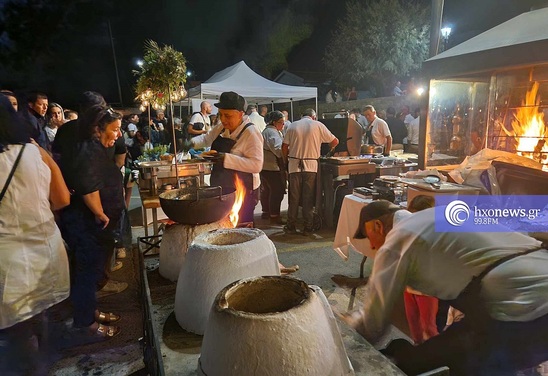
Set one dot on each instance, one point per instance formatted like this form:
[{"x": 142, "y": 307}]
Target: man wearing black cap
[
  {"x": 237, "y": 148},
  {"x": 498, "y": 280}
]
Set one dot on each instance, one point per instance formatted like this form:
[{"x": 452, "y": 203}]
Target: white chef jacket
[
  {"x": 247, "y": 153},
  {"x": 441, "y": 264}
]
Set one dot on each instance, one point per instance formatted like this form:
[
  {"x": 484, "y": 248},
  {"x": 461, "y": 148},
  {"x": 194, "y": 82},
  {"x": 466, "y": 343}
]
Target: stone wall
[{"x": 381, "y": 103}]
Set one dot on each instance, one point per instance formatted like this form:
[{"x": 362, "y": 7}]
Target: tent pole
[{"x": 291, "y": 104}]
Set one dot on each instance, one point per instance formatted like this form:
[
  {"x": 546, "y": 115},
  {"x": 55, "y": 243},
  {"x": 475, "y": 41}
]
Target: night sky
[{"x": 212, "y": 35}]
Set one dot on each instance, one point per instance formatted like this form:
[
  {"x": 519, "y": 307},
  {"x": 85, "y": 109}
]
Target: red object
[{"x": 420, "y": 311}]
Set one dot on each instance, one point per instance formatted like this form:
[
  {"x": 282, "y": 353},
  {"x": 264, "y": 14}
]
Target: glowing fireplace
[
  {"x": 528, "y": 131},
  {"x": 490, "y": 91},
  {"x": 504, "y": 110}
]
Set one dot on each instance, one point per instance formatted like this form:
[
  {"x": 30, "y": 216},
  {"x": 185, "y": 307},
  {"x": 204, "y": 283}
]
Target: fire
[
  {"x": 529, "y": 128},
  {"x": 240, "y": 195}
]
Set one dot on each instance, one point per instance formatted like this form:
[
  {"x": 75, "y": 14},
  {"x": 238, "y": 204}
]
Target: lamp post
[{"x": 445, "y": 32}]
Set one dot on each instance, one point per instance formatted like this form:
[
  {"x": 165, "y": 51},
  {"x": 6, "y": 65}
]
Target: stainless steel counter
[{"x": 153, "y": 174}]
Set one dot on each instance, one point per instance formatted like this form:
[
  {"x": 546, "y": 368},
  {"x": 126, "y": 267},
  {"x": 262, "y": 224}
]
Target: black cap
[
  {"x": 230, "y": 100},
  {"x": 372, "y": 211}
]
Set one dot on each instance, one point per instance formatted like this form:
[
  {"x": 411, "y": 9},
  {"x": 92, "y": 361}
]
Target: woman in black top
[{"x": 96, "y": 206}]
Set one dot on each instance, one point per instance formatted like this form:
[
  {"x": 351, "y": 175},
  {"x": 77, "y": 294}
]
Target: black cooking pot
[{"x": 197, "y": 205}]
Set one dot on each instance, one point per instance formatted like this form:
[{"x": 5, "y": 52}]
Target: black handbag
[{"x": 8, "y": 180}]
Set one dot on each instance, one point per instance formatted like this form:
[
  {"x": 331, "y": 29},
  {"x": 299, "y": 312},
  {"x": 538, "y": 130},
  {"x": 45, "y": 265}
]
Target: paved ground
[{"x": 70, "y": 355}]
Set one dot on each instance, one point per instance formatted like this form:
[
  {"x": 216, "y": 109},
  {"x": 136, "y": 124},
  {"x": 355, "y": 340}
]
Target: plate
[
  {"x": 209, "y": 156},
  {"x": 389, "y": 177}
]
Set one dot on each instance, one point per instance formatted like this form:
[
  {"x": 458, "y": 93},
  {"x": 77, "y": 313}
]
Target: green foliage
[
  {"x": 378, "y": 41},
  {"x": 154, "y": 153},
  {"x": 288, "y": 32},
  {"x": 163, "y": 73}
]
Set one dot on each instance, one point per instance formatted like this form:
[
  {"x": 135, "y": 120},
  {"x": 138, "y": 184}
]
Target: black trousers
[
  {"x": 272, "y": 192},
  {"x": 495, "y": 348}
]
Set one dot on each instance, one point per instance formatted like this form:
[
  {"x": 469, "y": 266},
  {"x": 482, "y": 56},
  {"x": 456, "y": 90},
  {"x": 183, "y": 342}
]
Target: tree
[
  {"x": 378, "y": 41},
  {"x": 161, "y": 77}
]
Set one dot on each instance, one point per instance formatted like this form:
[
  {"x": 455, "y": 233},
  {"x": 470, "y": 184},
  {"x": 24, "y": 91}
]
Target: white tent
[{"x": 253, "y": 87}]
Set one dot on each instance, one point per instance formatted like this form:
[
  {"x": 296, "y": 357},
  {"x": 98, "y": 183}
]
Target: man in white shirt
[
  {"x": 255, "y": 118},
  {"x": 413, "y": 132},
  {"x": 301, "y": 151},
  {"x": 238, "y": 149},
  {"x": 506, "y": 325},
  {"x": 200, "y": 122},
  {"x": 377, "y": 131}
]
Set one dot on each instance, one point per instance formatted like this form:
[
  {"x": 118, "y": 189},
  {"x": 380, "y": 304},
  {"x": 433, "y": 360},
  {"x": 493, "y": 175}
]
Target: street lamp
[
  {"x": 445, "y": 32},
  {"x": 140, "y": 63}
]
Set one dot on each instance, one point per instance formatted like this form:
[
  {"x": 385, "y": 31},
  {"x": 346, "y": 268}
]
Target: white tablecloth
[{"x": 346, "y": 228}]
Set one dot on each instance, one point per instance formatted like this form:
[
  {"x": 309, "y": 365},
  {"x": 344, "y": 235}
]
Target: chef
[
  {"x": 377, "y": 131},
  {"x": 236, "y": 149},
  {"x": 498, "y": 280}
]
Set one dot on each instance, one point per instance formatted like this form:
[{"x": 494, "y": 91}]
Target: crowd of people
[
  {"x": 72, "y": 226},
  {"x": 67, "y": 240}
]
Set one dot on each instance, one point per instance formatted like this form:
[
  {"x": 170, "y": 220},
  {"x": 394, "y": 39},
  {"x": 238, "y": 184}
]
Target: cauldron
[{"x": 197, "y": 205}]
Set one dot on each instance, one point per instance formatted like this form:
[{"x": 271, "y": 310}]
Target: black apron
[
  {"x": 368, "y": 135},
  {"x": 469, "y": 301},
  {"x": 224, "y": 177}
]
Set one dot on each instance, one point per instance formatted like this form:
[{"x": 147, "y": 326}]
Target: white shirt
[
  {"x": 413, "y": 131},
  {"x": 51, "y": 132},
  {"x": 34, "y": 272},
  {"x": 380, "y": 131},
  {"x": 408, "y": 119},
  {"x": 201, "y": 118},
  {"x": 258, "y": 120},
  {"x": 247, "y": 153},
  {"x": 304, "y": 138},
  {"x": 441, "y": 264}
]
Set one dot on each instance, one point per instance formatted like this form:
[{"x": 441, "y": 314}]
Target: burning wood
[
  {"x": 238, "y": 202},
  {"x": 529, "y": 129}
]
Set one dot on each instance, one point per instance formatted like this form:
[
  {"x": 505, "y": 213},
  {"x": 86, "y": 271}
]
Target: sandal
[
  {"x": 106, "y": 331},
  {"x": 289, "y": 270},
  {"x": 106, "y": 318}
]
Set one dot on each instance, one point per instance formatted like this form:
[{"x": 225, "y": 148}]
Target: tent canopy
[
  {"x": 522, "y": 40},
  {"x": 253, "y": 87}
]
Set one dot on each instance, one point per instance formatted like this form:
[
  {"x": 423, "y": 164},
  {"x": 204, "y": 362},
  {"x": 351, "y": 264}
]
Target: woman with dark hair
[
  {"x": 95, "y": 209},
  {"x": 273, "y": 183},
  {"x": 34, "y": 270}
]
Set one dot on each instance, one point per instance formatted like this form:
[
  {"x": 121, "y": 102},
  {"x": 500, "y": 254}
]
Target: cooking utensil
[
  {"x": 197, "y": 205},
  {"x": 372, "y": 149}
]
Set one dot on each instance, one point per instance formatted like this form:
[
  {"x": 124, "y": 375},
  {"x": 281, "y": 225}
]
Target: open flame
[
  {"x": 240, "y": 195},
  {"x": 529, "y": 129}
]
